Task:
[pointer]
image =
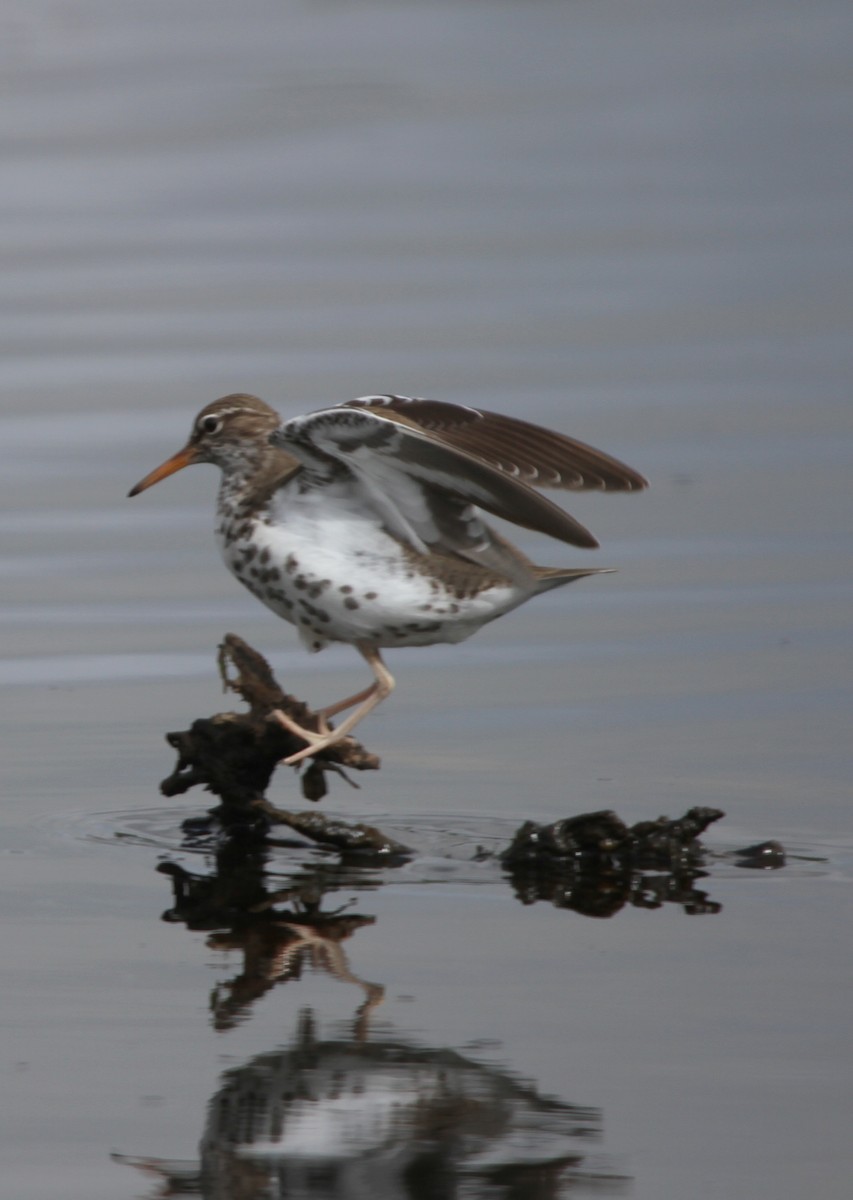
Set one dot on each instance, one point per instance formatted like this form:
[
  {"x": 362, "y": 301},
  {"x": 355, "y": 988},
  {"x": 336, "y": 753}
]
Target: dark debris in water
[
  {"x": 763, "y": 857},
  {"x": 659, "y": 843},
  {"x": 339, "y": 835},
  {"x": 595, "y": 863}
]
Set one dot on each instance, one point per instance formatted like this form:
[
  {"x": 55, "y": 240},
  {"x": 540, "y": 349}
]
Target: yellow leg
[
  {"x": 365, "y": 701},
  {"x": 331, "y": 710}
]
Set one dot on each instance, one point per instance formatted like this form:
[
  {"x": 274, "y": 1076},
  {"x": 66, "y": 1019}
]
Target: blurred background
[{"x": 629, "y": 222}]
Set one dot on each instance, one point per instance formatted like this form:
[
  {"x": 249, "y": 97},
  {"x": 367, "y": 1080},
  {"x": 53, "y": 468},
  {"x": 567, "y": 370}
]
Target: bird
[{"x": 363, "y": 523}]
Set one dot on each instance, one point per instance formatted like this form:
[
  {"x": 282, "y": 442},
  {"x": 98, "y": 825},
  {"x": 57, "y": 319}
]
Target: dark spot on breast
[
  {"x": 291, "y": 563},
  {"x": 346, "y": 589},
  {"x": 265, "y": 555},
  {"x": 273, "y": 573},
  {"x": 427, "y": 608},
  {"x": 300, "y": 582},
  {"x": 350, "y": 602},
  {"x": 370, "y": 595}
]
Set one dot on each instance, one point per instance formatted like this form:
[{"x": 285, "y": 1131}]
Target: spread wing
[
  {"x": 423, "y": 489},
  {"x": 516, "y": 448}
]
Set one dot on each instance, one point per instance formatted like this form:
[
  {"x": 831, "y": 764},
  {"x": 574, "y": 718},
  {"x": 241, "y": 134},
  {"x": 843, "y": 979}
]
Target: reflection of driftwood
[
  {"x": 277, "y": 932},
  {"x": 234, "y": 755}
]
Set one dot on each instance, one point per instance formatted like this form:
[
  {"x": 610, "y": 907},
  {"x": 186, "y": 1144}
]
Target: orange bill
[{"x": 184, "y": 458}]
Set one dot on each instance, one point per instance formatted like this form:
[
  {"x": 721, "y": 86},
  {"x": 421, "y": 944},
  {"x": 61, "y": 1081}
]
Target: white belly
[{"x": 337, "y": 576}]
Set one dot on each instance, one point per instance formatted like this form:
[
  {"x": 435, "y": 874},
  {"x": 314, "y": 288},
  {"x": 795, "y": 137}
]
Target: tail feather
[{"x": 554, "y": 577}]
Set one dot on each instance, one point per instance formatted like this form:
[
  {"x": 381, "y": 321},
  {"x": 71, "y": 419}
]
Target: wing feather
[
  {"x": 539, "y": 457},
  {"x": 402, "y": 468}
]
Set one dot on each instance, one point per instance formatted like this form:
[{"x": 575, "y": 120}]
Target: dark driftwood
[
  {"x": 596, "y": 864},
  {"x": 602, "y": 835},
  {"x": 234, "y": 755}
]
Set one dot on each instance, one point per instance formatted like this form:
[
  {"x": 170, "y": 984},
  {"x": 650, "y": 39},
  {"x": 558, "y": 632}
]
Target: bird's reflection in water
[
  {"x": 364, "y": 1115},
  {"x": 273, "y": 955},
  {"x": 277, "y": 932},
  {"x": 357, "y": 1119}
]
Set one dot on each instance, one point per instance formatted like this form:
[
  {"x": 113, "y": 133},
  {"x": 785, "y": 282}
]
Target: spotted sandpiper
[{"x": 362, "y": 524}]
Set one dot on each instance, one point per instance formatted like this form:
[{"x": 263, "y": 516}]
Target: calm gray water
[{"x": 630, "y": 222}]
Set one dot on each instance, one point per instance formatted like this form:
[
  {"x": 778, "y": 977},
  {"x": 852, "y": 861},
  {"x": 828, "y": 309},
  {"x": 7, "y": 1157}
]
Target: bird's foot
[{"x": 317, "y": 741}]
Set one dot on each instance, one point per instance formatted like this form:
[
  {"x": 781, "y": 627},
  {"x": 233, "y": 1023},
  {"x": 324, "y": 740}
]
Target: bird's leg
[
  {"x": 329, "y": 710},
  {"x": 365, "y": 701},
  {"x": 332, "y": 710},
  {"x": 321, "y": 714}
]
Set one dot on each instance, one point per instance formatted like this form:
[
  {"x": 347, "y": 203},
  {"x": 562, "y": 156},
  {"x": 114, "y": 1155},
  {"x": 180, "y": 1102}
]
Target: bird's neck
[{"x": 248, "y": 483}]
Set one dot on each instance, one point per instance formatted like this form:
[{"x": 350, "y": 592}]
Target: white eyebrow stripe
[{"x": 220, "y": 412}]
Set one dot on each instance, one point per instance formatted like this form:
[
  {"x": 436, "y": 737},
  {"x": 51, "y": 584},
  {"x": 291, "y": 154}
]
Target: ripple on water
[{"x": 446, "y": 849}]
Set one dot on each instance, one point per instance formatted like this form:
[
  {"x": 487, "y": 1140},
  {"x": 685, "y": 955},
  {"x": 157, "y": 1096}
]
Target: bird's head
[{"x": 233, "y": 433}]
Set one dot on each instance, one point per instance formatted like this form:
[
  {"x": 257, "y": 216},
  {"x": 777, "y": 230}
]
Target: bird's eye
[{"x": 210, "y": 424}]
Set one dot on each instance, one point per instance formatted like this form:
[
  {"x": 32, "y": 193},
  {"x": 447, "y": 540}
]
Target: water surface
[{"x": 630, "y": 223}]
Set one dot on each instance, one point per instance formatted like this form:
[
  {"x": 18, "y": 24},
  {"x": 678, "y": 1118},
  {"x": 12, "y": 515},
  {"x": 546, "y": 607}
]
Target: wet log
[{"x": 234, "y": 755}]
